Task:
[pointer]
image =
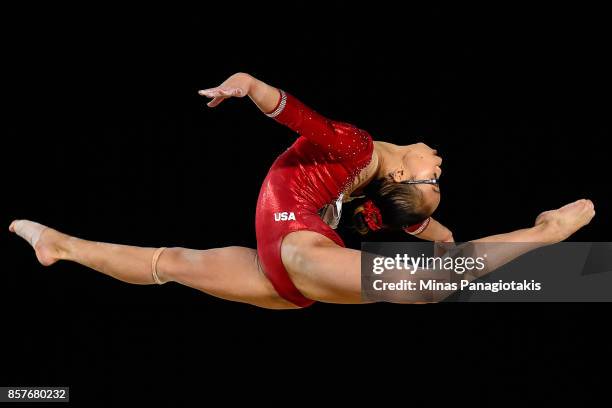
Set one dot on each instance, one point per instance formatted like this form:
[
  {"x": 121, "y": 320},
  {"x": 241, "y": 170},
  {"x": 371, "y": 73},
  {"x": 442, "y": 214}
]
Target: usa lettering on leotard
[{"x": 284, "y": 216}]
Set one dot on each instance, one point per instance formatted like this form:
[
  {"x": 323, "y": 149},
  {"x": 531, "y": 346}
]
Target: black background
[{"x": 105, "y": 137}]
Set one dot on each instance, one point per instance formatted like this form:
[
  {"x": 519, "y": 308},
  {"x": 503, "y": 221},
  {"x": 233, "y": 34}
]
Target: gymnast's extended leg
[
  {"x": 231, "y": 273},
  {"x": 326, "y": 272},
  {"x": 319, "y": 268}
]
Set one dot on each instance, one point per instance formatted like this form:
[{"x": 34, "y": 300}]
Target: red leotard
[
  {"x": 320, "y": 165},
  {"x": 311, "y": 173}
]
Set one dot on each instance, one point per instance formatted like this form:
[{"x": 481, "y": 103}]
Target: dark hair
[{"x": 400, "y": 205}]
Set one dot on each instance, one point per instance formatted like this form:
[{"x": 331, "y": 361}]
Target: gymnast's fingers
[
  {"x": 222, "y": 92},
  {"x": 210, "y": 92},
  {"x": 231, "y": 92},
  {"x": 216, "y": 101}
]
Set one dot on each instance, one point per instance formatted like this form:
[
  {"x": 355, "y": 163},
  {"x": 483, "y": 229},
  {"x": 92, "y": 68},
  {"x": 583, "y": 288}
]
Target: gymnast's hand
[{"x": 235, "y": 86}]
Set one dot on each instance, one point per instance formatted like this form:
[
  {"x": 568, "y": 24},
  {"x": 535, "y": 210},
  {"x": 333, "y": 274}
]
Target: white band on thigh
[{"x": 156, "y": 255}]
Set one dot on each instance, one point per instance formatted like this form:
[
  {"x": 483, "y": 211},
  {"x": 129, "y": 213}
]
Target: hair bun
[{"x": 368, "y": 217}]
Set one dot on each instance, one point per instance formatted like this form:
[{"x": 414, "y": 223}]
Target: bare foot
[
  {"x": 43, "y": 239},
  {"x": 561, "y": 223}
]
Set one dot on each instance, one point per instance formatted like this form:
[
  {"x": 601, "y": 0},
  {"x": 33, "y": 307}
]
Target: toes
[
  {"x": 572, "y": 204},
  {"x": 592, "y": 211},
  {"x": 578, "y": 204},
  {"x": 586, "y": 205},
  {"x": 12, "y": 226}
]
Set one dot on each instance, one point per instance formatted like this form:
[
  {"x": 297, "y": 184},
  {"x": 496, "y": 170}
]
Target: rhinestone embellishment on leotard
[{"x": 281, "y": 106}]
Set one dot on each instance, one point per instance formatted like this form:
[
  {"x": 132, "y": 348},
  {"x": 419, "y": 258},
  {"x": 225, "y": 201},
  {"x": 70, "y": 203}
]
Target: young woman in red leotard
[{"x": 300, "y": 259}]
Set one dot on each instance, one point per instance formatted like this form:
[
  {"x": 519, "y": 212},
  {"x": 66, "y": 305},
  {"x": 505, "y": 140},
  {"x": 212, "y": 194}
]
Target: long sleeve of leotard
[{"x": 339, "y": 138}]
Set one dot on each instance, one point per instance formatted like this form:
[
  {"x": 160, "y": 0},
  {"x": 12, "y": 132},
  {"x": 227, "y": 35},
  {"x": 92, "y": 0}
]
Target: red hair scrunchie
[{"x": 372, "y": 215}]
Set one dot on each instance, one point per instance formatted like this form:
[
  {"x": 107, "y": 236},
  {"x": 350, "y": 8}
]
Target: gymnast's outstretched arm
[{"x": 340, "y": 138}]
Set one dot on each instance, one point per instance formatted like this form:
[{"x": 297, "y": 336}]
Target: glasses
[{"x": 425, "y": 181}]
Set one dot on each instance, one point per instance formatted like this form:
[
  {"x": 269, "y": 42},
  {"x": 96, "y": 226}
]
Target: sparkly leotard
[{"x": 311, "y": 173}]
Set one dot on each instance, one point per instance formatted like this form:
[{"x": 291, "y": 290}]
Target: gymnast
[{"x": 300, "y": 258}]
